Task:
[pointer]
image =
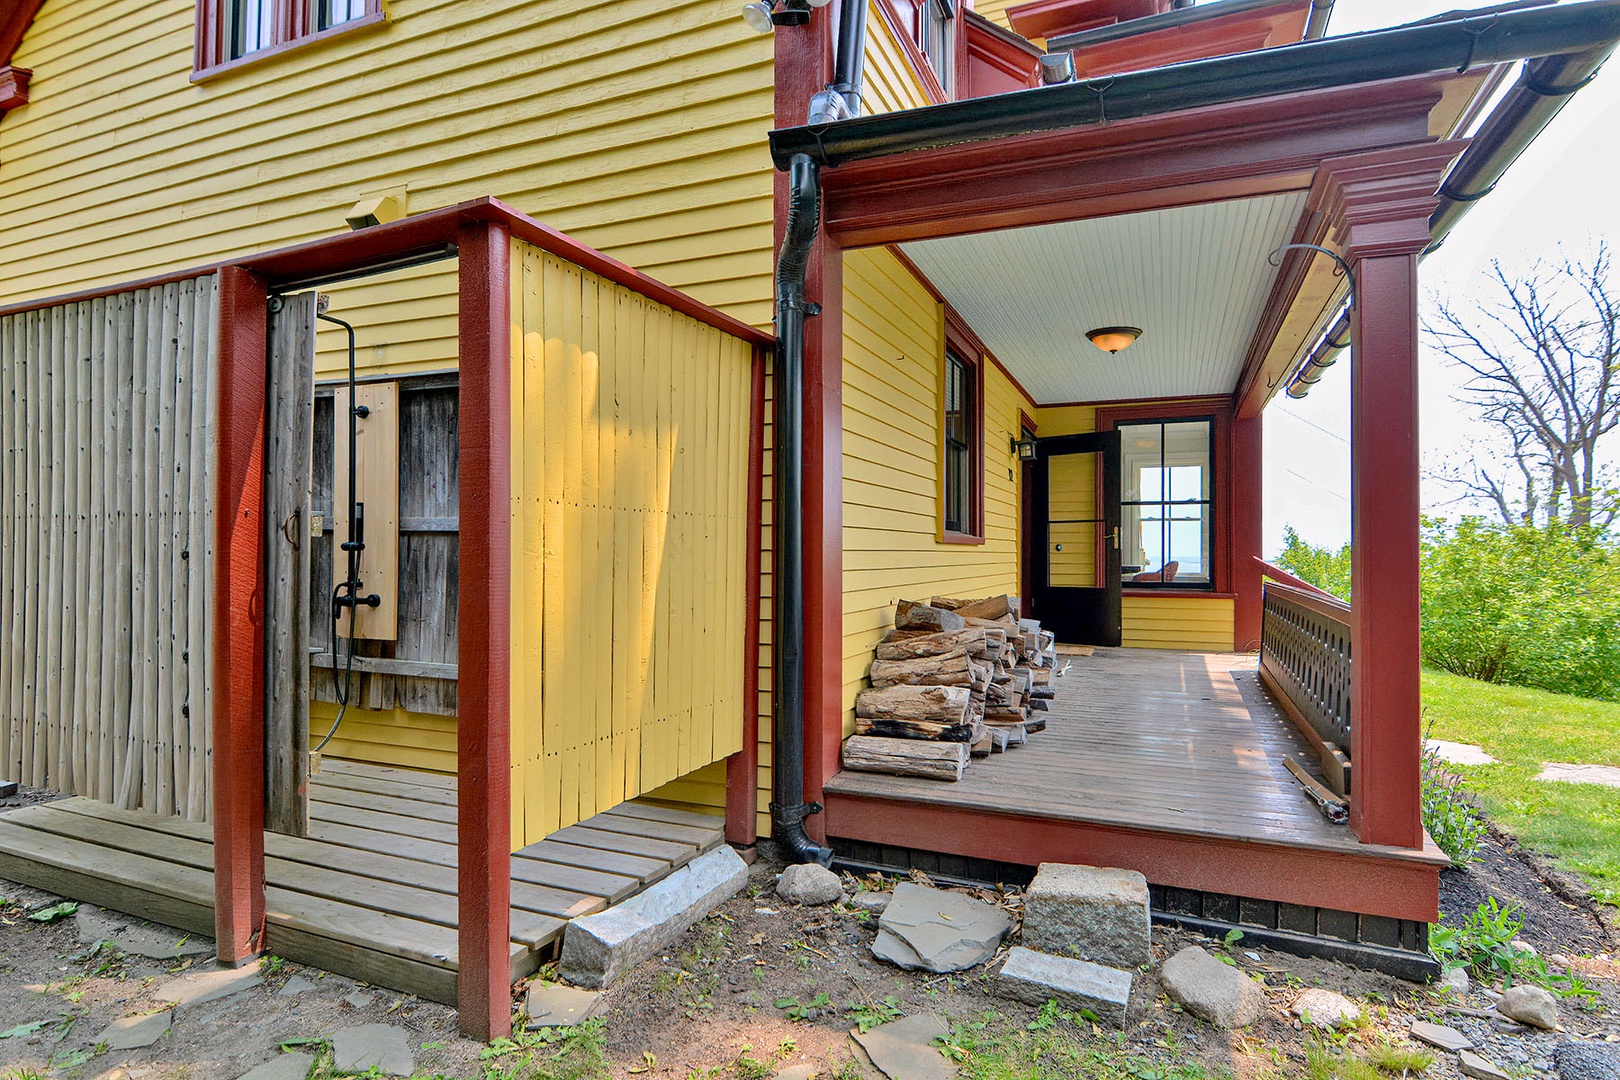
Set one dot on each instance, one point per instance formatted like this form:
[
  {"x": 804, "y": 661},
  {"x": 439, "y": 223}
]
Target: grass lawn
[{"x": 1577, "y": 824}]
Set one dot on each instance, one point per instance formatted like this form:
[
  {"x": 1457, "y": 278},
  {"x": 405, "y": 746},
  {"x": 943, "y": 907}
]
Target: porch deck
[
  {"x": 1170, "y": 763},
  {"x": 371, "y": 893}
]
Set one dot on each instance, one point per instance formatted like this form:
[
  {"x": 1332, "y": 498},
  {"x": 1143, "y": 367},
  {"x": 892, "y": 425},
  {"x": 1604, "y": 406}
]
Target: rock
[
  {"x": 1480, "y": 1068},
  {"x": 1036, "y": 978},
  {"x": 136, "y": 936},
  {"x": 379, "y": 1046},
  {"x": 209, "y": 984},
  {"x": 1530, "y": 1005},
  {"x": 1457, "y": 979},
  {"x": 805, "y": 1071},
  {"x": 1093, "y": 913},
  {"x": 134, "y": 1032},
  {"x": 295, "y": 986},
  {"x": 1207, "y": 988},
  {"x": 809, "y": 884},
  {"x": 598, "y": 948},
  {"x": 926, "y": 929},
  {"x": 905, "y": 1050},
  {"x": 360, "y": 999},
  {"x": 1440, "y": 1036},
  {"x": 559, "y": 1006},
  {"x": 874, "y": 902},
  {"x": 1325, "y": 1009},
  {"x": 1587, "y": 1061},
  {"x": 285, "y": 1067}
]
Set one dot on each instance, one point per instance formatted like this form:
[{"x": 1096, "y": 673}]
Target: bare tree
[{"x": 1543, "y": 368}]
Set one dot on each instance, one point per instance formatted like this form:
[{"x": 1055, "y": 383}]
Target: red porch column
[
  {"x": 1381, "y": 203},
  {"x": 483, "y": 736},
  {"x": 238, "y": 635},
  {"x": 804, "y": 66},
  {"x": 1246, "y": 532}
]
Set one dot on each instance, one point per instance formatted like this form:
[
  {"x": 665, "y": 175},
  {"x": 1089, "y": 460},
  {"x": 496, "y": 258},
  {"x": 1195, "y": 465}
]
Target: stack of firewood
[{"x": 955, "y": 679}]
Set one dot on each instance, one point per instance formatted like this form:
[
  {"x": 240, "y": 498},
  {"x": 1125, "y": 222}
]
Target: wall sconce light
[
  {"x": 1111, "y": 339},
  {"x": 764, "y": 15},
  {"x": 1023, "y": 449}
]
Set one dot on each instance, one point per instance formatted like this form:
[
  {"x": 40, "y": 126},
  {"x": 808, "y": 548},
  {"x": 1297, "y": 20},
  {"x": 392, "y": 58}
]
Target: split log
[
  {"x": 1034, "y": 722},
  {"x": 1017, "y": 735},
  {"x": 931, "y": 704},
  {"x": 980, "y": 747},
  {"x": 950, "y": 670},
  {"x": 1039, "y": 704},
  {"x": 910, "y": 616},
  {"x": 993, "y": 607},
  {"x": 905, "y": 757},
  {"x": 998, "y": 740},
  {"x": 912, "y": 646}
]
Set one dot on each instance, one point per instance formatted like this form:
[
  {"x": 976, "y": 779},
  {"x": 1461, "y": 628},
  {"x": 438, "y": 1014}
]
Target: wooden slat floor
[
  {"x": 1176, "y": 742},
  {"x": 371, "y": 893}
]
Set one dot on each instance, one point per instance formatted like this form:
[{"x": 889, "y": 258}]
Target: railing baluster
[{"x": 1305, "y": 650}]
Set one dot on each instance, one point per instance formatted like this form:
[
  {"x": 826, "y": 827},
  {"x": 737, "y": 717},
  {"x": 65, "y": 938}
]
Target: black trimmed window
[
  {"x": 229, "y": 31},
  {"x": 963, "y": 445},
  {"x": 1167, "y": 505}
]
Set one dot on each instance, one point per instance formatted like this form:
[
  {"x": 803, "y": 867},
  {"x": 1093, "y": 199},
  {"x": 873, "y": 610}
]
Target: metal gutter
[
  {"x": 1401, "y": 52},
  {"x": 1543, "y": 87},
  {"x": 1168, "y": 20}
]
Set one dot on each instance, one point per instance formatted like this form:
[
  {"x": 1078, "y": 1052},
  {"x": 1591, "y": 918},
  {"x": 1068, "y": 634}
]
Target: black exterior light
[{"x": 765, "y": 15}]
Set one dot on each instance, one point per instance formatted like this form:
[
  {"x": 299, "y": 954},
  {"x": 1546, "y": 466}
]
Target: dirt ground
[{"x": 762, "y": 986}]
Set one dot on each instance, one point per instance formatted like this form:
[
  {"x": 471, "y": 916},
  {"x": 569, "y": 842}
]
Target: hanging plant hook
[{"x": 1275, "y": 259}]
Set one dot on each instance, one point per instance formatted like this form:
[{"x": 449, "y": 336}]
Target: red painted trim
[
  {"x": 238, "y": 600},
  {"x": 1380, "y": 203},
  {"x": 1247, "y": 531},
  {"x": 210, "y": 43},
  {"x": 1281, "y": 24},
  {"x": 995, "y": 61},
  {"x": 1260, "y": 379},
  {"x": 483, "y": 730},
  {"x": 1050, "y": 18},
  {"x": 1283, "y": 577},
  {"x": 1220, "y": 411},
  {"x": 1312, "y": 599},
  {"x": 355, "y": 253},
  {"x": 1202, "y": 155},
  {"x": 742, "y": 768},
  {"x": 13, "y": 87},
  {"x": 1394, "y": 883},
  {"x": 16, "y": 17},
  {"x": 965, "y": 344}
]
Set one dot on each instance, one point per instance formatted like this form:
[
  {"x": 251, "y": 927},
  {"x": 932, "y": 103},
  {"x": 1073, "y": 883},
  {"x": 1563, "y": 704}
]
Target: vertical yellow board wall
[
  {"x": 634, "y": 126},
  {"x": 893, "y": 355},
  {"x": 630, "y": 434},
  {"x": 1194, "y": 623}
]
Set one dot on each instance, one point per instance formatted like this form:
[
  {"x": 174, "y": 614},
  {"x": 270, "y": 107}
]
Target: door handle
[{"x": 1116, "y": 537}]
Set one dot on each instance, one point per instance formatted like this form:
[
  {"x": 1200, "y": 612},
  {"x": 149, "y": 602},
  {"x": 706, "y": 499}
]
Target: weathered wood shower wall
[{"x": 106, "y": 428}]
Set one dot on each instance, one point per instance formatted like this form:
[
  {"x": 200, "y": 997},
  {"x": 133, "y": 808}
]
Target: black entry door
[{"x": 1076, "y": 493}]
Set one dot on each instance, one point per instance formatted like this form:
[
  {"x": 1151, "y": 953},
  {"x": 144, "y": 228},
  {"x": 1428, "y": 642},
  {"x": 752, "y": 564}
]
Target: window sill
[
  {"x": 1172, "y": 590},
  {"x": 960, "y": 538},
  {"x": 354, "y": 26}
]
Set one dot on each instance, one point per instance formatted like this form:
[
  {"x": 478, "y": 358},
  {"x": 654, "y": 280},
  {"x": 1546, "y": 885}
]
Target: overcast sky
[{"x": 1562, "y": 191}]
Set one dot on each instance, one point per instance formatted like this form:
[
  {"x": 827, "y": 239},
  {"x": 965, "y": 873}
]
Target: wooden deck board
[
  {"x": 370, "y": 893},
  {"x": 1150, "y": 739}
]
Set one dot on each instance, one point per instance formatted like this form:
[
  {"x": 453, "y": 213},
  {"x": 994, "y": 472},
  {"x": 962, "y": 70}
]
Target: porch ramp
[{"x": 371, "y": 892}]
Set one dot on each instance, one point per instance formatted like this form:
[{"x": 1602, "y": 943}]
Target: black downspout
[
  {"x": 849, "y": 61},
  {"x": 788, "y": 808}
]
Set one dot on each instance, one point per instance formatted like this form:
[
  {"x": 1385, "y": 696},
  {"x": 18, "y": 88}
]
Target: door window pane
[{"x": 1166, "y": 509}]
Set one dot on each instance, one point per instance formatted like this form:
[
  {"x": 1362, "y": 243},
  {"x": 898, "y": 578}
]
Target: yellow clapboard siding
[
  {"x": 893, "y": 351},
  {"x": 646, "y": 146},
  {"x": 1178, "y": 622},
  {"x": 889, "y": 84},
  {"x": 387, "y": 737},
  {"x": 629, "y": 515},
  {"x": 996, "y": 10}
]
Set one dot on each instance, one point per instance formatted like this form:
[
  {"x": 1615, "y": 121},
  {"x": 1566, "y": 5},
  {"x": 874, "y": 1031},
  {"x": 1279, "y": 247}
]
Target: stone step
[{"x": 1094, "y": 913}]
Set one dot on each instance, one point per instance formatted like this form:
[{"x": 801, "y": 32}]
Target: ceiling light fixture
[{"x": 1111, "y": 339}]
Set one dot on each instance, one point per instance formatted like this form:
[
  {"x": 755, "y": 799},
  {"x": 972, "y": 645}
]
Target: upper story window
[
  {"x": 233, "y": 30},
  {"x": 936, "y": 35},
  {"x": 1166, "y": 513}
]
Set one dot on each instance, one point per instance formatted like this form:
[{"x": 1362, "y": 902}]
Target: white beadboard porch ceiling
[{"x": 1194, "y": 278}]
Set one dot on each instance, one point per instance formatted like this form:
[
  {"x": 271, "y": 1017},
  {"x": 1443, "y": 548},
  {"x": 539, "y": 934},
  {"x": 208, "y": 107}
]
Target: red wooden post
[
  {"x": 804, "y": 66},
  {"x": 1381, "y": 203},
  {"x": 238, "y": 635},
  {"x": 1246, "y": 531},
  {"x": 483, "y": 738},
  {"x": 742, "y": 768}
]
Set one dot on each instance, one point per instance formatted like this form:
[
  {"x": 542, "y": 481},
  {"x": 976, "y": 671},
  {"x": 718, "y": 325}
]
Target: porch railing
[{"x": 1305, "y": 659}]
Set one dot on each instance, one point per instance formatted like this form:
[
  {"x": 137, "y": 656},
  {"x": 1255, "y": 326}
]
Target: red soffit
[{"x": 1051, "y": 18}]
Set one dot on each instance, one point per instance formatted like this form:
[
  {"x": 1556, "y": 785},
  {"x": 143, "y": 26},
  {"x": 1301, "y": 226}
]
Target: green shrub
[
  {"x": 1321, "y": 566},
  {"x": 1523, "y": 605},
  {"x": 1453, "y": 823}
]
